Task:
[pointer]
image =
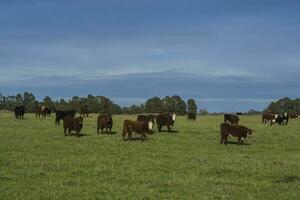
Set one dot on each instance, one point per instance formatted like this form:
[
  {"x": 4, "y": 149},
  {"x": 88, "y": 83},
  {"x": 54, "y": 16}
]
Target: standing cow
[
  {"x": 72, "y": 124},
  {"x": 104, "y": 122},
  {"x": 232, "y": 118},
  {"x": 147, "y": 119},
  {"x": 84, "y": 111},
  {"x": 271, "y": 118},
  {"x": 62, "y": 114},
  {"x": 19, "y": 112},
  {"x": 165, "y": 119},
  {"x": 140, "y": 127},
  {"x": 191, "y": 116}
]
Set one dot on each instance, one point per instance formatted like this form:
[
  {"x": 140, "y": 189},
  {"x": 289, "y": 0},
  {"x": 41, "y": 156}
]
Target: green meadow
[{"x": 38, "y": 162}]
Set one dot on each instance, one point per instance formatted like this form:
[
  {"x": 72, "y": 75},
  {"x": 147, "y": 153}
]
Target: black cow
[
  {"x": 62, "y": 114},
  {"x": 191, "y": 116},
  {"x": 282, "y": 119},
  {"x": 19, "y": 112},
  {"x": 165, "y": 119},
  {"x": 232, "y": 118}
]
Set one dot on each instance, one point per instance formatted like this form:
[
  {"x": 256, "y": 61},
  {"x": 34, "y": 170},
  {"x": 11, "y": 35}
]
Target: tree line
[
  {"x": 99, "y": 104},
  {"x": 291, "y": 106}
]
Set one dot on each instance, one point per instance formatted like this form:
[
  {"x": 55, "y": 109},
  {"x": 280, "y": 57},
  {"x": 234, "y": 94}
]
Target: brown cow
[
  {"x": 72, "y": 124},
  {"x": 238, "y": 131},
  {"x": 104, "y": 121},
  {"x": 147, "y": 118},
  {"x": 269, "y": 118},
  {"x": 140, "y": 127},
  {"x": 232, "y": 118},
  {"x": 191, "y": 116}
]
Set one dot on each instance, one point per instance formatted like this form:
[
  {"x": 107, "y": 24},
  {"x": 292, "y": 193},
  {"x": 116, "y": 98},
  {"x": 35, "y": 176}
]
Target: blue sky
[{"x": 229, "y": 55}]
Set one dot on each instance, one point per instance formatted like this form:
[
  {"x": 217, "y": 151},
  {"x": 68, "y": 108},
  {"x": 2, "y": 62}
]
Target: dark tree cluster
[
  {"x": 99, "y": 104},
  {"x": 291, "y": 106}
]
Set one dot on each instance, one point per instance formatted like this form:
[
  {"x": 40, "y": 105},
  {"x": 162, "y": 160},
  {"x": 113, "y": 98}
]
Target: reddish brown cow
[
  {"x": 72, "y": 124},
  {"x": 238, "y": 131},
  {"x": 104, "y": 122},
  {"x": 140, "y": 127}
]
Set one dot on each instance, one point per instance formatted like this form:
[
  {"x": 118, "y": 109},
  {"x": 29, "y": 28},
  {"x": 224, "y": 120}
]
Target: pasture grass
[{"x": 38, "y": 162}]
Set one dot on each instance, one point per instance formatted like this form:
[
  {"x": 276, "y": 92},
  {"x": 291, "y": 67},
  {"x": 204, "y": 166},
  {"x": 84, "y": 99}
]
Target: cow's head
[
  {"x": 173, "y": 117},
  {"x": 150, "y": 125},
  {"x": 250, "y": 131}
]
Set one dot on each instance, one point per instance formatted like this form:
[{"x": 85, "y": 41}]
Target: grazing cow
[
  {"x": 62, "y": 114},
  {"x": 191, "y": 116},
  {"x": 269, "y": 118},
  {"x": 140, "y": 127},
  {"x": 104, "y": 122},
  {"x": 165, "y": 119},
  {"x": 232, "y": 118},
  {"x": 282, "y": 119},
  {"x": 84, "y": 111},
  {"x": 238, "y": 131},
  {"x": 19, "y": 112},
  {"x": 72, "y": 124}
]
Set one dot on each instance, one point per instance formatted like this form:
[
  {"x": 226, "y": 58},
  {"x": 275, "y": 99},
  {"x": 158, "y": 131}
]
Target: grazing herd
[{"x": 145, "y": 123}]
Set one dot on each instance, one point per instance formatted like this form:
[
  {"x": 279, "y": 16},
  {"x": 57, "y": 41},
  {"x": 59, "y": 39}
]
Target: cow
[
  {"x": 84, "y": 111},
  {"x": 165, "y": 119},
  {"x": 19, "y": 112},
  {"x": 147, "y": 118},
  {"x": 72, "y": 124},
  {"x": 42, "y": 111},
  {"x": 62, "y": 114},
  {"x": 282, "y": 119},
  {"x": 104, "y": 122},
  {"x": 232, "y": 118},
  {"x": 238, "y": 131},
  {"x": 293, "y": 116},
  {"x": 140, "y": 127},
  {"x": 239, "y": 113},
  {"x": 269, "y": 118},
  {"x": 191, "y": 116}
]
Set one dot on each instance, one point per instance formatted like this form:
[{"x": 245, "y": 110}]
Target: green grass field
[{"x": 38, "y": 162}]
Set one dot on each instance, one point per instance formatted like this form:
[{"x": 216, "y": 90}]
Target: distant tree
[
  {"x": 191, "y": 106},
  {"x": 153, "y": 105}
]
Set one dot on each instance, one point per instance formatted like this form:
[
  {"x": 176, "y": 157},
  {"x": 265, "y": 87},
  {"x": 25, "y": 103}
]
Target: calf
[
  {"x": 140, "y": 127},
  {"x": 72, "y": 124},
  {"x": 165, "y": 119},
  {"x": 238, "y": 131},
  {"x": 282, "y": 119},
  {"x": 232, "y": 118},
  {"x": 191, "y": 116},
  {"x": 19, "y": 112},
  {"x": 104, "y": 122},
  {"x": 62, "y": 114}
]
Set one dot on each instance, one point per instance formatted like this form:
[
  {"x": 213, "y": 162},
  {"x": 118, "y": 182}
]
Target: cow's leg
[
  {"x": 239, "y": 140},
  {"x": 98, "y": 128},
  {"x": 65, "y": 131},
  {"x": 143, "y": 136},
  {"x": 222, "y": 139},
  {"x": 159, "y": 128},
  {"x": 225, "y": 139}
]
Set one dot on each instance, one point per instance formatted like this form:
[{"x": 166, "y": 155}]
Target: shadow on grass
[
  {"x": 137, "y": 139},
  {"x": 166, "y": 131},
  {"x": 287, "y": 179},
  {"x": 78, "y": 135},
  {"x": 108, "y": 133},
  {"x": 232, "y": 142}
]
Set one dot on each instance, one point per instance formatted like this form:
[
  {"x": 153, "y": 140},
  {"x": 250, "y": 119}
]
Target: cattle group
[{"x": 144, "y": 124}]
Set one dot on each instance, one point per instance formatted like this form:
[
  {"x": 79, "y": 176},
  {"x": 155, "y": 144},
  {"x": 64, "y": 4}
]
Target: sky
[{"x": 229, "y": 55}]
